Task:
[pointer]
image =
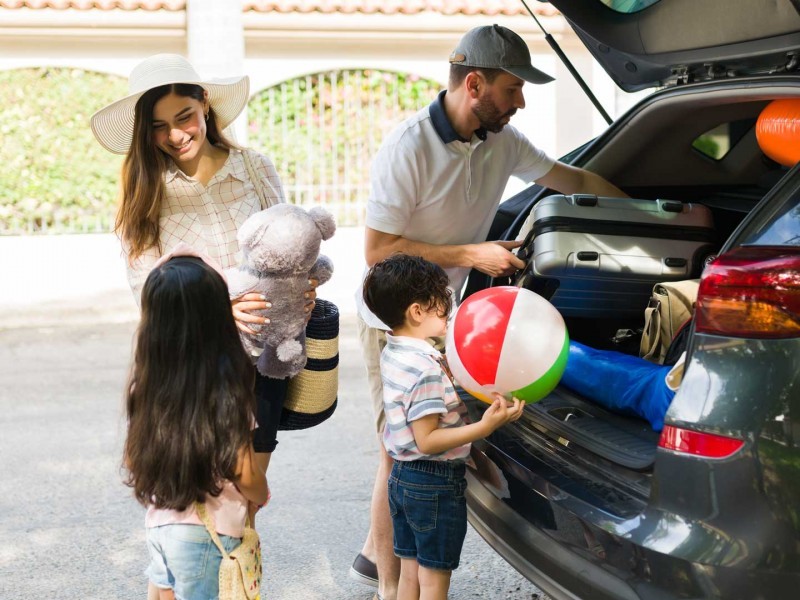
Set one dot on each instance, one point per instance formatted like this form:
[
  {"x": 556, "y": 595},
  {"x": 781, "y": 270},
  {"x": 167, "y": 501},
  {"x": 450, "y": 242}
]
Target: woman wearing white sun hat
[{"x": 184, "y": 182}]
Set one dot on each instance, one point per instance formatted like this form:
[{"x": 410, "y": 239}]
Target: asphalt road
[{"x": 70, "y": 529}]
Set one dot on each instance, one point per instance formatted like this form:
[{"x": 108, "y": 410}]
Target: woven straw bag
[
  {"x": 312, "y": 393},
  {"x": 239, "y": 571}
]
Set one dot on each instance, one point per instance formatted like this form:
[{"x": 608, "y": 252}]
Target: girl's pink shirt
[{"x": 228, "y": 511}]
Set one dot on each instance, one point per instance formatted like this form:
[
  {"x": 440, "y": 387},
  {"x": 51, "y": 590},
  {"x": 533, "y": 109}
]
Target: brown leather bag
[{"x": 671, "y": 305}]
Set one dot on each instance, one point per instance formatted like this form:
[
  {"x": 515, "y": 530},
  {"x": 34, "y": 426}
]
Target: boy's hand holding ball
[{"x": 501, "y": 411}]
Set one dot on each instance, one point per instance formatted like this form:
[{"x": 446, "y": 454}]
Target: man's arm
[
  {"x": 492, "y": 258},
  {"x": 572, "y": 180}
]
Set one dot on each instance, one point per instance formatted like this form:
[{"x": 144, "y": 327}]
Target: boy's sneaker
[{"x": 364, "y": 571}]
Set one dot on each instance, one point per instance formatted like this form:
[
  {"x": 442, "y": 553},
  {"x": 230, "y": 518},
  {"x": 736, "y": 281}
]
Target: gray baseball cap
[{"x": 497, "y": 47}]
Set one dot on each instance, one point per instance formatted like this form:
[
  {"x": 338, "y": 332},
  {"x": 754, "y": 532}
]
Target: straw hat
[{"x": 113, "y": 125}]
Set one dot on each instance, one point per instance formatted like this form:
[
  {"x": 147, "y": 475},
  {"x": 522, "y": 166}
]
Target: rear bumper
[
  {"x": 648, "y": 558},
  {"x": 559, "y": 572}
]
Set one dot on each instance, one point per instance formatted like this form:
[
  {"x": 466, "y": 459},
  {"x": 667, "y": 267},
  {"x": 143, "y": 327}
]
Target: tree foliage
[{"x": 55, "y": 176}]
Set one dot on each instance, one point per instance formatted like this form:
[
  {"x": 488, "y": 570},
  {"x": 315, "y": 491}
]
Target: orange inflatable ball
[{"x": 778, "y": 131}]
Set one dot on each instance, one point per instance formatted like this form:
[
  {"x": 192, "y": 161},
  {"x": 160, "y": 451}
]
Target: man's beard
[{"x": 489, "y": 116}]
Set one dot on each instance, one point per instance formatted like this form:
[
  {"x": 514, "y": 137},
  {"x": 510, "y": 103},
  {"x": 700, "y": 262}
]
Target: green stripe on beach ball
[{"x": 547, "y": 382}]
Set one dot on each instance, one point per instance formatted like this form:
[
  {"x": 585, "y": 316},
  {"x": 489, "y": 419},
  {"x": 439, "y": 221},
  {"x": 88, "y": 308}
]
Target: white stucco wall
[{"x": 277, "y": 47}]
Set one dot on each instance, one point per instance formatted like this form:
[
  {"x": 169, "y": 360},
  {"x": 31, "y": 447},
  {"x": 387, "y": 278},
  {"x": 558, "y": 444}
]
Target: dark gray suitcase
[{"x": 594, "y": 256}]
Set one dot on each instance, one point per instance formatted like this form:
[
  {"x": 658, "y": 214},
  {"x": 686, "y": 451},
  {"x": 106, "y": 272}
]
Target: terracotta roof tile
[
  {"x": 387, "y": 7},
  {"x": 447, "y": 7},
  {"x": 408, "y": 7},
  {"x": 172, "y": 5}
]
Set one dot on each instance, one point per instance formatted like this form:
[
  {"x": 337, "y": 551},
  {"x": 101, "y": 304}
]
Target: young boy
[{"x": 425, "y": 433}]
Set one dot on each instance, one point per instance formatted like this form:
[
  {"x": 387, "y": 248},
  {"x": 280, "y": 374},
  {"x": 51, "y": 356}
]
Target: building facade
[{"x": 291, "y": 40}]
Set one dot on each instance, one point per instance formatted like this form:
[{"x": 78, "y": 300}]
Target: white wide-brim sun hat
[{"x": 113, "y": 125}]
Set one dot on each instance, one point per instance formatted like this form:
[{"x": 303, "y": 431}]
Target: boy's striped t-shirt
[{"x": 415, "y": 385}]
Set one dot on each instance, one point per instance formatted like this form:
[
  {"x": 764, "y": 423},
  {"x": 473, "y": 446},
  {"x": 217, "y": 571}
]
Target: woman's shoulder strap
[{"x": 248, "y": 157}]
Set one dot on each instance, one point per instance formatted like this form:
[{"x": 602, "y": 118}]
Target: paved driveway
[{"x": 71, "y": 530}]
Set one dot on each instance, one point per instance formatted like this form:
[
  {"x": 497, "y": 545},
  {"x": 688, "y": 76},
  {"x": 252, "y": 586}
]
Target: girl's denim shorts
[
  {"x": 429, "y": 511},
  {"x": 184, "y": 558}
]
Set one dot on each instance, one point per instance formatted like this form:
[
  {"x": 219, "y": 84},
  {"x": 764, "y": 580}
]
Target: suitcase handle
[
  {"x": 675, "y": 262},
  {"x": 672, "y": 206},
  {"x": 584, "y": 199},
  {"x": 525, "y": 251}
]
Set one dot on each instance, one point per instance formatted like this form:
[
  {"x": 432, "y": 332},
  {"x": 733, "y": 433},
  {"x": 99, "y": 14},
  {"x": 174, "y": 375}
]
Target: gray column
[{"x": 215, "y": 44}]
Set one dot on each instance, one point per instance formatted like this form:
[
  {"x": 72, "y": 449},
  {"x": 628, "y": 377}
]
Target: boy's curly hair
[{"x": 397, "y": 282}]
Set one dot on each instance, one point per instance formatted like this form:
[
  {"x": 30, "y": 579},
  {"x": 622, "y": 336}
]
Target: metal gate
[{"x": 322, "y": 130}]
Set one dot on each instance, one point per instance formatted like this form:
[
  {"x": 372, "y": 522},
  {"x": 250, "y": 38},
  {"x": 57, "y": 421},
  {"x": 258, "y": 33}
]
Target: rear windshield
[
  {"x": 628, "y": 6},
  {"x": 781, "y": 227}
]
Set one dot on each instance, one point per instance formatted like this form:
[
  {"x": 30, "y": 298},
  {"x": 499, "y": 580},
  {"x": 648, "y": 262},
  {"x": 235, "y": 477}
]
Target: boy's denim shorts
[
  {"x": 429, "y": 511},
  {"x": 185, "y": 559}
]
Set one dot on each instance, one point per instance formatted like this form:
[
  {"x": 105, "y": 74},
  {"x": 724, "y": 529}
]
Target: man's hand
[{"x": 495, "y": 258}]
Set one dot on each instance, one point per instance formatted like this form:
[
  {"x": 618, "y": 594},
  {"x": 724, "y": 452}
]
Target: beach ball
[
  {"x": 778, "y": 131},
  {"x": 509, "y": 340}
]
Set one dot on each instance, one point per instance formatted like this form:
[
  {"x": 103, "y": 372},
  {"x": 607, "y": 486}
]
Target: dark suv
[{"x": 591, "y": 504}]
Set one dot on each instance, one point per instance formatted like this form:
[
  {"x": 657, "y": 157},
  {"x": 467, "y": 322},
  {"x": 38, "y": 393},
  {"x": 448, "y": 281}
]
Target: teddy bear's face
[{"x": 281, "y": 239}]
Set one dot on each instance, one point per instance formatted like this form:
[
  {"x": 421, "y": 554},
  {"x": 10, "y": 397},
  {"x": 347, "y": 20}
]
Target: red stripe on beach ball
[{"x": 479, "y": 330}]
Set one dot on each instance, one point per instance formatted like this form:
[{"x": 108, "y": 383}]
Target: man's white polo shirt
[{"x": 430, "y": 185}]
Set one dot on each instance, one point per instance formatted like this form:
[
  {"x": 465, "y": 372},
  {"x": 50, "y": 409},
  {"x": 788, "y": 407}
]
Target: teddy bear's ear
[
  {"x": 252, "y": 229},
  {"x": 324, "y": 220}
]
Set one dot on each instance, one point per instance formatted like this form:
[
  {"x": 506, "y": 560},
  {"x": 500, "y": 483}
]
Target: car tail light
[
  {"x": 751, "y": 292},
  {"x": 698, "y": 443}
]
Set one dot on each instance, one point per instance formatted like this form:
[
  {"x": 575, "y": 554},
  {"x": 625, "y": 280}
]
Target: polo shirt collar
[
  {"x": 402, "y": 342},
  {"x": 442, "y": 125}
]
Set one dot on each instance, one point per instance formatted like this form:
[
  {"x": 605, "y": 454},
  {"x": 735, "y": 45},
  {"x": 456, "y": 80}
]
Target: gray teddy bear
[{"x": 280, "y": 253}]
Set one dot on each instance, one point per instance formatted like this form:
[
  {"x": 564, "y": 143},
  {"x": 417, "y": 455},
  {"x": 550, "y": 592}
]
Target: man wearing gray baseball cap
[
  {"x": 496, "y": 47},
  {"x": 436, "y": 183}
]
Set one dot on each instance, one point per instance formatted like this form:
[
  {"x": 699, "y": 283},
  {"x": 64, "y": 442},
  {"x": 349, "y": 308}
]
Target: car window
[
  {"x": 781, "y": 228},
  {"x": 717, "y": 142},
  {"x": 628, "y": 6}
]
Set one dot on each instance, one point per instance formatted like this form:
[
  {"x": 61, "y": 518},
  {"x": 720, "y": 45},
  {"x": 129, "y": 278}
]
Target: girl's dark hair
[
  {"x": 144, "y": 167},
  {"x": 189, "y": 399},
  {"x": 397, "y": 282}
]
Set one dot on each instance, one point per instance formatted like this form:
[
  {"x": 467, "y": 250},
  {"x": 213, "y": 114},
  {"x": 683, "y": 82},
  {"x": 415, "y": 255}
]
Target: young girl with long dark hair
[{"x": 191, "y": 411}]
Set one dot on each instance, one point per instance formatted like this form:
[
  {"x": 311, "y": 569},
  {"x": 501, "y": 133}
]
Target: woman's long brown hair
[
  {"x": 144, "y": 167},
  {"x": 190, "y": 401}
]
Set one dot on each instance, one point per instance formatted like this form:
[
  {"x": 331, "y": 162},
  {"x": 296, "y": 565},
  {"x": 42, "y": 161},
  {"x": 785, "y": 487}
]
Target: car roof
[{"x": 684, "y": 41}]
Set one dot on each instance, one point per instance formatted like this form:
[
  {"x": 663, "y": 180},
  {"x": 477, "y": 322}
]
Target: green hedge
[{"x": 55, "y": 176}]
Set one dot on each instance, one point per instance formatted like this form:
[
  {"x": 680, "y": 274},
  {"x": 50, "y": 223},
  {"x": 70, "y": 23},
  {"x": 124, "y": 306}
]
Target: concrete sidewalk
[{"x": 80, "y": 279}]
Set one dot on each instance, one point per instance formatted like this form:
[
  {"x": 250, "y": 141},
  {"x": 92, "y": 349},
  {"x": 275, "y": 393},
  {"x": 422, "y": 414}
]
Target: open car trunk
[
  {"x": 603, "y": 457},
  {"x": 666, "y": 42}
]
